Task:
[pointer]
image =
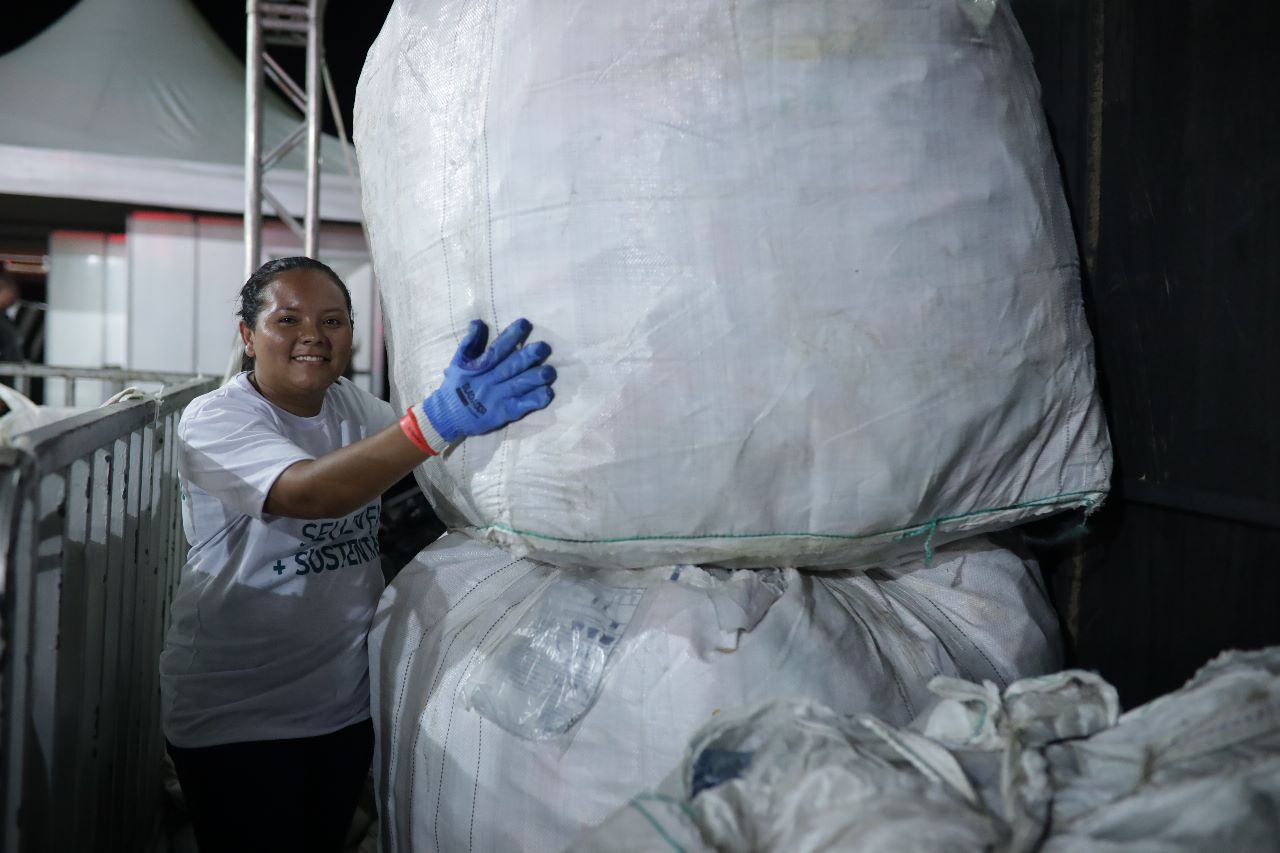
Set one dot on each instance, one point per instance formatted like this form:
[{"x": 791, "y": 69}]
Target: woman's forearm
[{"x": 346, "y": 479}]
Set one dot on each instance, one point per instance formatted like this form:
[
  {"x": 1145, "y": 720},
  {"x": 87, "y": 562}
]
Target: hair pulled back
[{"x": 251, "y": 293}]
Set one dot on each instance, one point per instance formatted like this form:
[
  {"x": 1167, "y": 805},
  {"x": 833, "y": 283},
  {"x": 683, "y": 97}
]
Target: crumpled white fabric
[
  {"x": 21, "y": 414},
  {"x": 1045, "y": 764},
  {"x": 1198, "y": 769}
]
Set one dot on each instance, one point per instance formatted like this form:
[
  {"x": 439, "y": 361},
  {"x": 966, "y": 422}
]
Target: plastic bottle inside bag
[{"x": 539, "y": 679}]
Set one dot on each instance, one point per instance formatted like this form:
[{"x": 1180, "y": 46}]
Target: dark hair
[{"x": 251, "y": 293}]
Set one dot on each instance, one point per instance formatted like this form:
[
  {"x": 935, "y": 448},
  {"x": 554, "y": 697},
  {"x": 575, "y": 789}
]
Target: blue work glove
[{"x": 486, "y": 389}]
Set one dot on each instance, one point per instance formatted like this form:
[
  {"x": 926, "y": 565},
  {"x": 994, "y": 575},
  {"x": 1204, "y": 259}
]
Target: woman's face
[{"x": 301, "y": 342}]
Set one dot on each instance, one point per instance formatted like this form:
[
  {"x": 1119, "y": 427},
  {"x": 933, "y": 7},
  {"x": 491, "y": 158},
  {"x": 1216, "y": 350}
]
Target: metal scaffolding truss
[{"x": 282, "y": 24}]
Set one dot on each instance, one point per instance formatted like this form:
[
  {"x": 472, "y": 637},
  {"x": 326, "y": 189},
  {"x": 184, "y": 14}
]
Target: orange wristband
[{"x": 409, "y": 425}]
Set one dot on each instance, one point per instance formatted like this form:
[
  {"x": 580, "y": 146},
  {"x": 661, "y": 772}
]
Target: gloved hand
[{"x": 486, "y": 389}]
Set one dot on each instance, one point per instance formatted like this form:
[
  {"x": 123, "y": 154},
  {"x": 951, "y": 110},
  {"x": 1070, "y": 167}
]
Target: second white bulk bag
[
  {"x": 513, "y": 712},
  {"x": 806, "y": 268}
]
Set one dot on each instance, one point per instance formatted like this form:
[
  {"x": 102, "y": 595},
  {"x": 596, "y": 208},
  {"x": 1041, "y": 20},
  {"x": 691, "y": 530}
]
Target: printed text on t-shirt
[
  {"x": 331, "y": 546},
  {"x": 331, "y": 531}
]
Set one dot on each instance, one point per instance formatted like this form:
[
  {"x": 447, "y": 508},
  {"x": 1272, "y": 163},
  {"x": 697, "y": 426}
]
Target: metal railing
[
  {"x": 115, "y": 378},
  {"x": 92, "y": 544}
]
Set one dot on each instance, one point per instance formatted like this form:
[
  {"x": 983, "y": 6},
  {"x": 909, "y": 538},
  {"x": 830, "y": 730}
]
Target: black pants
[{"x": 276, "y": 795}]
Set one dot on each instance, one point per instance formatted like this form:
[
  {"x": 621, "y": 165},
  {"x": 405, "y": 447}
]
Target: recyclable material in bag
[
  {"x": 1045, "y": 764},
  {"x": 806, "y": 268},
  {"x": 543, "y": 676},
  {"x": 506, "y": 723}
]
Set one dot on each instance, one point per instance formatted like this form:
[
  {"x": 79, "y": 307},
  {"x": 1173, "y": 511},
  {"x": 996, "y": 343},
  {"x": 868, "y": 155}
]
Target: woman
[{"x": 264, "y": 676}]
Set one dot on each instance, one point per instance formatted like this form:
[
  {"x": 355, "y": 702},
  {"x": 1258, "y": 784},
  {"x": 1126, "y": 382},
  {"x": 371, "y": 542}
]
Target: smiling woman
[
  {"x": 264, "y": 675},
  {"x": 295, "y": 321}
]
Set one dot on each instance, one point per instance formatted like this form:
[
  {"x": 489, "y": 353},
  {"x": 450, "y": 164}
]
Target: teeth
[{"x": 308, "y": 358}]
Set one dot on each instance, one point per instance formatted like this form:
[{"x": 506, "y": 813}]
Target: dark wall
[{"x": 1166, "y": 125}]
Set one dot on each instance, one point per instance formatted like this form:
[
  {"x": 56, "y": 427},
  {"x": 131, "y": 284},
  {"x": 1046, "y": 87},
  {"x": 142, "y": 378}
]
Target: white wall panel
[
  {"x": 84, "y": 326},
  {"x": 162, "y": 277},
  {"x": 219, "y": 276},
  {"x": 115, "y": 303}
]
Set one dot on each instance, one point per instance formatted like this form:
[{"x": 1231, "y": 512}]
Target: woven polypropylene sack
[
  {"x": 450, "y": 778},
  {"x": 806, "y": 268}
]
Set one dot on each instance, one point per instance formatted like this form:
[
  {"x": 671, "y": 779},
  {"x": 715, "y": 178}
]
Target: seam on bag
[
  {"x": 444, "y": 188},
  {"x": 956, "y": 642},
  {"x": 444, "y": 200},
  {"x": 484, "y": 143},
  {"x": 1090, "y": 498},
  {"x": 426, "y": 629},
  {"x": 1003, "y": 682},
  {"x": 1201, "y": 741},
  {"x": 657, "y": 827},
  {"x": 417, "y": 733},
  {"x": 475, "y": 785},
  {"x": 843, "y": 595},
  {"x": 453, "y": 706},
  {"x": 887, "y": 659},
  {"x": 894, "y": 597},
  {"x": 436, "y": 679},
  {"x": 505, "y": 448},
  {"x": 670, "y": 801}
]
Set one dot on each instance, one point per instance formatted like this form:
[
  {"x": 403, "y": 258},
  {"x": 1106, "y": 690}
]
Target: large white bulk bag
[
  {"x": 691, "y": 644},
  {"x": 806, "y": 268}
]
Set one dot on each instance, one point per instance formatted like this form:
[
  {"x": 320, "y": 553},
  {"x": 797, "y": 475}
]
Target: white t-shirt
[{"x": 269, "y": 621}]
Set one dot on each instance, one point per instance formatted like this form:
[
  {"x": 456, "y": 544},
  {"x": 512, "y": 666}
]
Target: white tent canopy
[{"x": 138, "y": 101}]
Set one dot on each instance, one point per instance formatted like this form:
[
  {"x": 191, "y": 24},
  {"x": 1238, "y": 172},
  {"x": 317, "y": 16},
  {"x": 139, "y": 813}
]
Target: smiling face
[{"x": 301, "y": 341}]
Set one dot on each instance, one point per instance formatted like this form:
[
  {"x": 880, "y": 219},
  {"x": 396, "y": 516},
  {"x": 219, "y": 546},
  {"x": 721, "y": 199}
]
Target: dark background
[
  {"x": 1166, "y": 125},
  {"x": 1164, "y": 117}
]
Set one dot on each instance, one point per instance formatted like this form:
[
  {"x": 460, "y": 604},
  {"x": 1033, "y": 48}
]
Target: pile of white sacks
[
  {"x": 811, "y": 288},
  {"x": 1047, "y": 764}
]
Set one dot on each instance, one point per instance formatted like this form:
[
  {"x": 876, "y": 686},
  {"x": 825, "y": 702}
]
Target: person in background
[
  {"x": 264, "y": 674},
  {"x": 10, "y": 339}
]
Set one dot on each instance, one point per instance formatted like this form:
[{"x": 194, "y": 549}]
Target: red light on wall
[{"x": 161, "y": 216}]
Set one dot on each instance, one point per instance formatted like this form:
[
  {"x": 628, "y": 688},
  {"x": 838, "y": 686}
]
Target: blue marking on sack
[{"x": 716, "y": 766}]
